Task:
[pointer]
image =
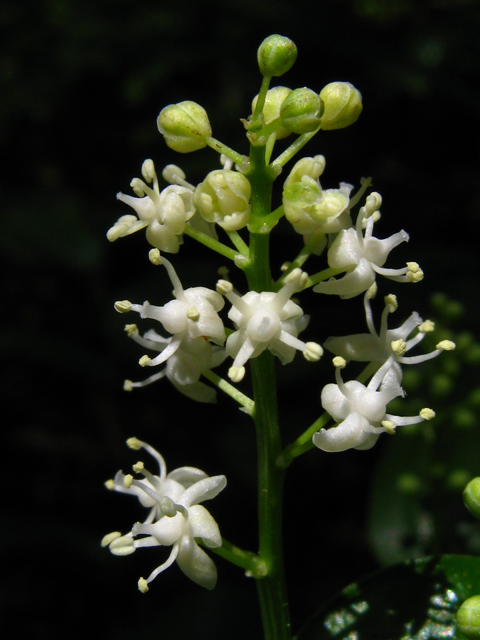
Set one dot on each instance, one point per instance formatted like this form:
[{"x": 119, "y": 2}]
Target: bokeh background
[{"x": 81, "y": 86}]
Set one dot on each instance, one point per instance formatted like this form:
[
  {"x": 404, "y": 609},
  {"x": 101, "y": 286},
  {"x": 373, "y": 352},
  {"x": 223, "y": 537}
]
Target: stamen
[{"x": 122, "y": 306}]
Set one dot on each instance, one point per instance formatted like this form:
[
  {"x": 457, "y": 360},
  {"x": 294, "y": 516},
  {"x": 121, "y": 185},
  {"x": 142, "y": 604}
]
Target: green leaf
[{"x": 413, "y": 600}]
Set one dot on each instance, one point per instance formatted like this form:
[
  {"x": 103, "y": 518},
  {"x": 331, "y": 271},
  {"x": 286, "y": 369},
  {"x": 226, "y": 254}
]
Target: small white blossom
[
  {"x": 361, "y": 411},
  {"x": 267, "y": 320},
  {"x": 378, "y": 347},
  {"x": 175, "y": 518},
  {"x": 363, "y": 256},
  {"x": 193, "y": 314},
  {"x": 184, "y": 367},
  {"x": 164, "y": 213}
]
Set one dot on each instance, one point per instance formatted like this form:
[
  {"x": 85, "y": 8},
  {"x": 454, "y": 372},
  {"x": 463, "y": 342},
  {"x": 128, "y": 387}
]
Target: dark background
[{"x": 81, "y": 86}]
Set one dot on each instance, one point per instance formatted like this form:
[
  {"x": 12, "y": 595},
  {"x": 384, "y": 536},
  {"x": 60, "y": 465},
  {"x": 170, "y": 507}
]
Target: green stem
[
  {"x": 239, "y": 243},
  {"x": 272, "y": 588},
  {"x": 303, "y": 443},
  {"x": 230, "y": 390},
  {"x": 294, "y": 148},
  {"x": 210, "y": 242},
  {"x": 323, "y": 275},
  {"x": 251, "y": 562}
]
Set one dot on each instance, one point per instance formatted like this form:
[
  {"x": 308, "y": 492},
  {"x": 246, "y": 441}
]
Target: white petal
[
  {"x": 195, "y": 563},
  {"x": 204, "y": 526},
  {"x": 203, "y": 490},
  {"x": 347, "y": 435}
]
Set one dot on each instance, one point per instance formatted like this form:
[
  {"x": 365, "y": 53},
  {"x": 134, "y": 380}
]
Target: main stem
[{"x": 271, "y": 588}]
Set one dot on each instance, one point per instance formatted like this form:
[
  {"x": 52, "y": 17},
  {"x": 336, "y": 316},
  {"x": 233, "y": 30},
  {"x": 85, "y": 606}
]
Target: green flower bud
[
  {"x": 185, "y": 126},
  {"x": 468, "y": 618},
  {"x": 271, "y": 110},
  {"x": 224, "y": 197},
  {"x": 276, "y": 55},
  {"x": 471, "y": 498},
  {"x": 301, "y": 111},
  {"x": 342, "y": 105}
]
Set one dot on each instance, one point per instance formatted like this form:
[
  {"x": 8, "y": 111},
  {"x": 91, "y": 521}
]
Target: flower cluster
[{"x": 175, "y": 517}]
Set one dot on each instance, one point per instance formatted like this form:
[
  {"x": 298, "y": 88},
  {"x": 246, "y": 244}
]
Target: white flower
[
  {"x": 163, "y": 213},
  {"x": 361, "y": 411},
  {"x": 267, "y": 320},
  {"x": 363, "y": 256},
  {"x": 378, "y": 347},
  {"x": 310, "y": 209},
  {"x": 193, "y": 314},
  {"x": 184, "y": 367},
  {"x": 175, "y": 519}
]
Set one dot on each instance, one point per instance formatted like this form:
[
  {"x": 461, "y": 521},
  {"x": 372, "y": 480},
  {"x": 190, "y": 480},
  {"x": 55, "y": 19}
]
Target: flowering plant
[{"x": 230, "y": 213}]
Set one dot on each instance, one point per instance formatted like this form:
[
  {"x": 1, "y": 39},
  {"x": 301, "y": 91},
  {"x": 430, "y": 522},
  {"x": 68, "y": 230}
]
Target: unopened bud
[
  {"x": 471, "y": 497},
  {"x": 342, "y": 105},
  {"x": 468, "y": 618},
  {"x": 185, "y": 126},
  {"x": 271, "y": 109},
  {"x": 300, "y": 112},
  {"x": 276, "y": 55}
]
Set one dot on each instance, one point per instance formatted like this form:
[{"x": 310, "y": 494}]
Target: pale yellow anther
[
  {"x": 372, "y": 291},
  {"x": 391, "y": 302},
  {"x": 446, "y": 345},
  {"x": 399, "y": 346},
  {"x": 223, "y": 271},
  {"x": 193, "y": 314},
  {"x": 131, "y": 329},
  {"x": 110, "y": 484},
  {"x": 427, "y": 414},
  {"x": 154, "y": 257},
  {"x": 137, "y": 187},
  {"x": 127, "y": 481},
  {"x": 138, "y": 467},
  {"x": 427, "y": 326},
  {"x": 148, "y": 170},
  {"x": 143, "y": 585},
  {"x": 122, "y": 306},
  {"x": 144, "y": 361},
  {"x": 285, "y": 266},
  {"x": 134, "y": 443},
  {"x": 298, "y": 278},
  {"x": 110, "y": 537},
  {"x": 339, "y": 362},
  {"x": 236, "y": 374},
  {"x": 389, "y": 426},
  {"x": 128, "y": 385},
  {"x": 313, "y": 351},
  {"x": 414, "y": 273},
  {"x": 224, "y": 287},
  {"x": 122, "y": 546}
]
